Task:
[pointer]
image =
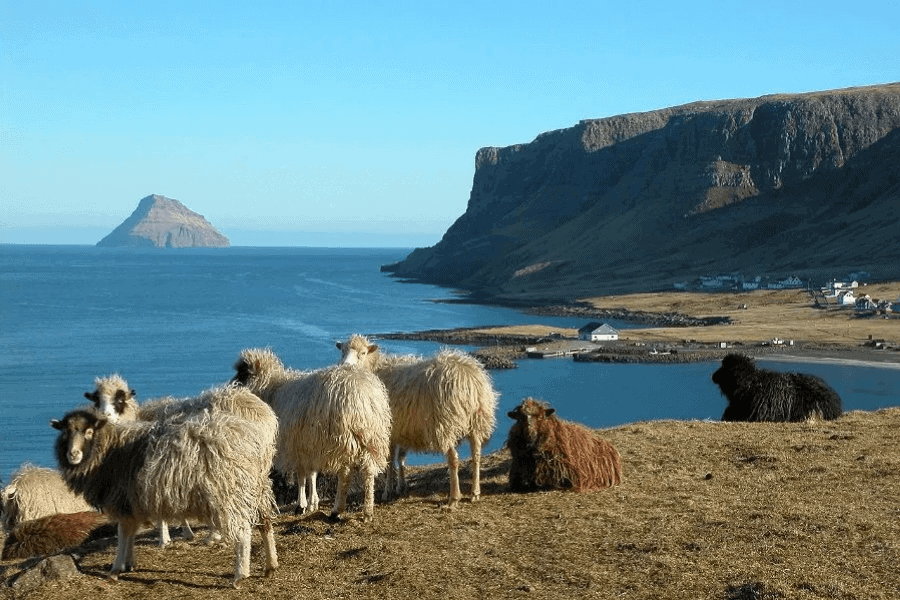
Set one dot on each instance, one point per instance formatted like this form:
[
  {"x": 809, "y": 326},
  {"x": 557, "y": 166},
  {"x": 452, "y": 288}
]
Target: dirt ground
[{"x": 732, "y": 511}]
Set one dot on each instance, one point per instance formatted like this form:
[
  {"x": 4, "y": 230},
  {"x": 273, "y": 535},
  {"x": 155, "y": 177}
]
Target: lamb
[
  {"x": 36, "y": 492},
  {"x": 756, "y": 394},
  {"x": 548, "y": 452},
  {"x": 436, "y": 403},
  {"x": 212, "y": 466},
  {"x": 335, "y": 419},
  {"x": 115, "y": 401}
]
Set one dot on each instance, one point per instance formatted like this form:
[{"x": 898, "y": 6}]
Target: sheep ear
[
  {"x": 549, "y": 411},
  {"x": 92, "y": 396},
  {"x": 56, "y": 424},
  {"x": 339, "y": 345},
  {"x": 372, "y": 348},
  {"x": 511, "y": 414}
]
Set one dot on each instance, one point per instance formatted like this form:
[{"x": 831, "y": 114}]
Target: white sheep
[
  {"x": 334, "y": 420},
  {"x": 435, "y": 402},
  {"x": 35, "y": 492},
  {"x": 212, "y": 466},
  {"x": 115, "y": 401}
]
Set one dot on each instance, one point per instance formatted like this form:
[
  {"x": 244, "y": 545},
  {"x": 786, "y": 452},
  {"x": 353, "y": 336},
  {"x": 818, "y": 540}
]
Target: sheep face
[
  {"x": 356, "y": 351},
  {"x": 76, "y": 435},
  {"x": 528, "y": 416},
  {"x": 110, "y": 405},
  {"x": 735, "y": 368}
]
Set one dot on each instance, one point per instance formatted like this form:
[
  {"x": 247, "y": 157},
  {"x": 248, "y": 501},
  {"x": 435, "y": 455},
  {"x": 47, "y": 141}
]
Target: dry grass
[{"x": 705, "y": 510}]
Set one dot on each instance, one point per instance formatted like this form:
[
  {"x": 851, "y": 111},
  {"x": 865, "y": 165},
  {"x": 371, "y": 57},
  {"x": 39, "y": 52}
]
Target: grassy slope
[{"x": 706, "y": 510}]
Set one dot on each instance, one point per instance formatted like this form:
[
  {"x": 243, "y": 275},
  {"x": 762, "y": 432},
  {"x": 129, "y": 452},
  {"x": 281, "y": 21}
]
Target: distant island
[{"x": 160, "y": 222}]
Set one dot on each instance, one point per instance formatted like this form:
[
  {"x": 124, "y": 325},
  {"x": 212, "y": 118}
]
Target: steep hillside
[
  {"x": 781, "y": 185},
  {"x": 164, "y": 223}
]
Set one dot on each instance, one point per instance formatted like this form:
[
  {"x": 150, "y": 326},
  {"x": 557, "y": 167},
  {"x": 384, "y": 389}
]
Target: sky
[{"x": 356, "y": 123}]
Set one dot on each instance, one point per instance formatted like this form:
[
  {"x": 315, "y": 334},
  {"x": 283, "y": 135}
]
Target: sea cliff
[{"x": 802, "y": 184}]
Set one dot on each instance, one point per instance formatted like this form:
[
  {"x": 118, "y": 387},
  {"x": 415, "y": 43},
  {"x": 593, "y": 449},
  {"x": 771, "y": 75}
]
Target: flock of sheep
[{"x": 209, "y": 458}]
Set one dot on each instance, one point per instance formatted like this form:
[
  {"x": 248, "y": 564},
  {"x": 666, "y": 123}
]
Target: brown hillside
[{"x": 706, "y": 510}]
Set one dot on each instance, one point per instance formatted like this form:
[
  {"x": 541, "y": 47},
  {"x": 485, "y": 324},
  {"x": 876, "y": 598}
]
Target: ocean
[{"x": 172, "y": 322}]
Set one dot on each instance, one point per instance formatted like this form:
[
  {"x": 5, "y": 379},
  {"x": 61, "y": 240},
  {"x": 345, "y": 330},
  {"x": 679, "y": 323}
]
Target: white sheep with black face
[
  {"x": 213, "y": 467},
  {"x": 435, "y": 402},
  {"x": 332, "y": 420}
]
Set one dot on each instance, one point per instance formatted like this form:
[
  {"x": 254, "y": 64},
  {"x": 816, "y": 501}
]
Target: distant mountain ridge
[
  {"x": 162, "y": 222},
  {"x": 803, "y": 184}
]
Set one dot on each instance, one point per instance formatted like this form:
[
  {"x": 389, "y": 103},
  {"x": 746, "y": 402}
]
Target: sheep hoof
[
  {"x": 475, "y": 497},
  {"x": 334, "y": 518},
  {"x": 269, "y": 572}
]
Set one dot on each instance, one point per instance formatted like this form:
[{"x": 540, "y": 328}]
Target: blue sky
[{"x": 357, "y": 124}]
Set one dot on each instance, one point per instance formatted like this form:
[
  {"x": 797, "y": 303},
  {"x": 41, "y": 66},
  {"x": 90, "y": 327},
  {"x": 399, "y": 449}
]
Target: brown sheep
[
  {"x": 548, "y": 452},
  {"x": 55, "y": 533}
]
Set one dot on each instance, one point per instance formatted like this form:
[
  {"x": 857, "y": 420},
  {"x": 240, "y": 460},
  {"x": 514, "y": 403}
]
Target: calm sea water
[{"x": 172, "y": 322}]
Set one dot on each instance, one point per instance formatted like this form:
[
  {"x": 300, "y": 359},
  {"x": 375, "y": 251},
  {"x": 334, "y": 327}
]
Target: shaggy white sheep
[
  {"x": 115, "y": 401},
  {"x": 213, "y": 467},
  {"x": 435, "y": 402},
  {"x": 334, "y": 420},
  {"x": 35, "y": 492}
]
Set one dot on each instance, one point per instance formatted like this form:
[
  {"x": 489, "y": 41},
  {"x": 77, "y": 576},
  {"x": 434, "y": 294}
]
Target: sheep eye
[{"x": 88, "y": 434}]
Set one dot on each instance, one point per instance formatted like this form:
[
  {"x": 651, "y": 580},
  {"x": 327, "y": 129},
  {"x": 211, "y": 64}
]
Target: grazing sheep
[
  {"x": 548, "y": 452},
  {"x": 36, "y": 492},
  {"x": 116, "y": 402},
  {"x": 436, "y": 403},
  {"x": 756, "y": 394},
  {"x": 335, "y": 420},
  {"x": 213, "y": 467},
  {"x": 52, "y": 534}
]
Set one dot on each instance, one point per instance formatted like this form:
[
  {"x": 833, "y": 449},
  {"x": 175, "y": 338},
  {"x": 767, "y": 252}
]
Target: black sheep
[{"x": 756, "y": 394}]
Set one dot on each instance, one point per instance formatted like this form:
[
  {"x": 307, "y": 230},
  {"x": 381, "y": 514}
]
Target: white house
[{"x": 598, "y": 332}]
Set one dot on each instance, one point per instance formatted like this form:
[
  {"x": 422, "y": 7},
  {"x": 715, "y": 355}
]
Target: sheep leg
[
  {"x": 475, "y": 448},
  {"x": 124, "y": 560},
  {"x": 340, "y": 497},
  {"x": 369, "y": 504},
  {"x": 164, "y": 537},
  {"x": 453, "y": 466},
  {"x": 242, "y": 554},
  {"x": 389, "y": 475},
  {"x": 301, "y": 496},
  {"x": 402, "y": 487},
  {"x": 268, "y": 543},
  {"x": 186, "y": 531},
  {"x": 313, "y": 492}
]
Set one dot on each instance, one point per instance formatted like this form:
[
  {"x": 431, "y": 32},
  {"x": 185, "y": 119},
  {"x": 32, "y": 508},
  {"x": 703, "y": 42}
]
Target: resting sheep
[
  {"x": 756, "y": 394},
  {"x": 335, "y": 420},
  {"x": 435, "y": 402},
  {"x": 213, "y": 467},
  {"x": 53, "y": 533},
  {"x": 35, "y": 492},
  {"x": 548, "y": 452},
  {"x": 115, "y": 401}
]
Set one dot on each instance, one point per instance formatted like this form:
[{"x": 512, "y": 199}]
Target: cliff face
[
  {"x": 161, "y": 222},
  {"x": 790, "y": 184}
]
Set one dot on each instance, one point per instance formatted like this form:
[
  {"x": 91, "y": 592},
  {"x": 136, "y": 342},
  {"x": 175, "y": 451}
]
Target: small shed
[{"x": 598, "y": 332}]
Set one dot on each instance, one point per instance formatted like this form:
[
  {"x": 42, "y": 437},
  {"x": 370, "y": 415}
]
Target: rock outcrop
[
  {"x": 804, "y": 185},
  {"x": 162, "y": 222}
]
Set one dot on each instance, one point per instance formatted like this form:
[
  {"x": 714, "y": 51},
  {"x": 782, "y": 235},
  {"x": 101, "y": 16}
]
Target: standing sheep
[
  {"x": 334, "y": 420},
  {"x": 36, "y": 492},
  {"x": 435, "y": 402},
  {"x": 115, "y": 401},
  {"x": 756, "y": 394},
  {"x": 548, "y": 452},
  {"x": 213, "y": 467}
]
